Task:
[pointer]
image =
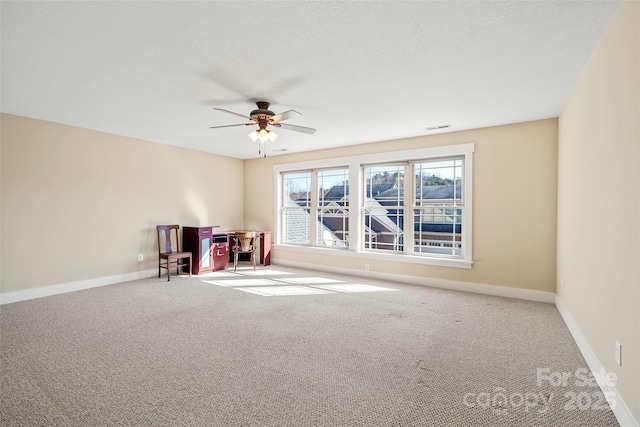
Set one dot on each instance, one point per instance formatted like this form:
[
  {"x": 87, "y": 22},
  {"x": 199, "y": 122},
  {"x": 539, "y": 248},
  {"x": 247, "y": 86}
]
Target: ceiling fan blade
[
  {"x": 296, "y": 128},
  {"x": 230, "y": 126},
  {"x": 284, "y": 116},
  {"x": 235, "y": 114}
]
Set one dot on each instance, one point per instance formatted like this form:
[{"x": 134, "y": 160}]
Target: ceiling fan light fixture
[{"x": 263, "y": 135}]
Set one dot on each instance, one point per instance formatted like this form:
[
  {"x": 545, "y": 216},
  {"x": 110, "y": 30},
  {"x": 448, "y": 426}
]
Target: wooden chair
[
  {"x": 171, "y": 258},
  {"x": 243, "y": 242}
]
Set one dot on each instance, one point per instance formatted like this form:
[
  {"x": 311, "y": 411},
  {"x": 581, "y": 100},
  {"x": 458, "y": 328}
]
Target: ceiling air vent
[{"x": 438, "y": 127}]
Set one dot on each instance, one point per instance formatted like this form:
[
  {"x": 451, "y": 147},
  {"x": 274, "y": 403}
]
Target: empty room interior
[{"x": 445, "y": 199}]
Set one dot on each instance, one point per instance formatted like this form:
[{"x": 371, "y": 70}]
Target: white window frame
[
  {"x": 355, "y": 165},
  {"x": 401, "y": 166},
  {"x": 410, "y": 200},
  {"x": 312, "y": 225},
  {"x": 318, "y": 208}
]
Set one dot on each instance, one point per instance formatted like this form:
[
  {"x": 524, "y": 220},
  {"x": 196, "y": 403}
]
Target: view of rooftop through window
[
  {"x": 296, "y": 222},
  {"x": 438, "y": 207},
  {"x": 383, "y": 207},
  {"x": 430, "y": 217},
  {"x": 332, "y": 212}
]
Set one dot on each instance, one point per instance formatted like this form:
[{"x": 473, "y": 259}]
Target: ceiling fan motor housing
[
  {"x": 262, "y": 115},
  {"x": 263, "y": 110}
]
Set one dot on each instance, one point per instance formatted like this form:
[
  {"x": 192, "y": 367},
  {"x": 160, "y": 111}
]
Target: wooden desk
[
  {"x": 264, "y": 245},
  {"x": 211, "y": 250}
]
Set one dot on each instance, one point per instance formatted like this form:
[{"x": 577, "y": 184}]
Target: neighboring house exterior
[
  {"x": 298, "y": 221},
  {"x": 436, "y": 217}
]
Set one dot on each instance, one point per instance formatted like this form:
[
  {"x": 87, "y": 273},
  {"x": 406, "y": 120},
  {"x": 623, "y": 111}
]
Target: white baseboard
[
  {"x": 45, "y": 291},
  {"x": 500, "y": 291},
  {"x": 621, "y": 411}
]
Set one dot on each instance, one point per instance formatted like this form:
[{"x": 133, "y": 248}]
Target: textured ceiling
[{"x": 358, "y": 71}]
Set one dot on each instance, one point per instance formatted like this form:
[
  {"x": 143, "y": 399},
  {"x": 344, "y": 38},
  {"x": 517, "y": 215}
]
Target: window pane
[
  {"x": 297, "y": 187},
  {"x": 333, "y": 187},
  {"x": 438, "y": 207},
  {"x": 333, "y": 227},
  {"x": 296, "y": 226},
  {"x": 383, "y": 229},
  {"x": 332, "y": 211},
  {"x": 383, "y": 215},
  {"x": 384, "y": 185},
  {"x": 438, "y": 231},
  {"x": 295, "y": 208}
]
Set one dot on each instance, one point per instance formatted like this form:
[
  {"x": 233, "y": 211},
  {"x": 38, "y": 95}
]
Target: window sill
[{"x": 395, "y": 257}]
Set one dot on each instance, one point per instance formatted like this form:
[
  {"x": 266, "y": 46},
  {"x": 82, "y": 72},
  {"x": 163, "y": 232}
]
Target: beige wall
[
  {"x": 599, "y": 202},
  {"x": 79, "y": 204},
  {"x": 69, "y": 190},
  {"x": 514, "y": 204}
]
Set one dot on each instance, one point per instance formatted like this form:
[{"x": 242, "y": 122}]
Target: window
[
  {"x": 438, "y": 207},
  {"x": 383, "y": 207},
  {"x": 296, "y": 224},
  {"x": 412, "y": 206},
  {"x": 332, "y": 208},
  {"x": 432, "y": 224}
]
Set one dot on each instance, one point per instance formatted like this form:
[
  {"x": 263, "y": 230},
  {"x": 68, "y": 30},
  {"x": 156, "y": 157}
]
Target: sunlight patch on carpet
[
  {"x": 250, "y": 272},
  {"x": 284, "y": 291},
  {"x": 241, "y": 282},
  {"x": 350, "y": 288},
  {"x": 310, "y": 280},
  {"x": 218, "y": 274},
  {"x": 283, "y": 286}
]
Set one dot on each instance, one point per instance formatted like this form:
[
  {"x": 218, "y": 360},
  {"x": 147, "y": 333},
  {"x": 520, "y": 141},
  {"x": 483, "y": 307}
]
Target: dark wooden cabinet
[
  {"x": 210, "y": 251},
  {"x": 265, "y": 247},
  {"x": 220, "y": 252}
]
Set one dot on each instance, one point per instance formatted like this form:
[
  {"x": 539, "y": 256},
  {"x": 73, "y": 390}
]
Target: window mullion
[
  {"x": 467, "y": 194},
  {"x": 356, "y": 234},
  {"x": 313, "y": 209},
  {"x": 409, "y": 197},
  {"x": 278, "y": 184}
]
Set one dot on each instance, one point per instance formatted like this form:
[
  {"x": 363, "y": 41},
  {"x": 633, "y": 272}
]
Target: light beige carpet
[{"x": 286, "y": 347}]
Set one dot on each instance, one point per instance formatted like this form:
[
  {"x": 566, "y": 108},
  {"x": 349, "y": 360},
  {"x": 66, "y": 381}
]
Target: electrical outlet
[
  {"x": 618, "y": 354},
  {"x": 140, "y": 257},
  {"x": 366, "y": 267}
]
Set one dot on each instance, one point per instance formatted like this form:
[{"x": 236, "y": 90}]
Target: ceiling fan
[{"x": 263, "y": 117}]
